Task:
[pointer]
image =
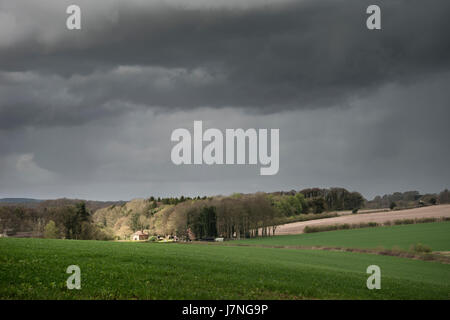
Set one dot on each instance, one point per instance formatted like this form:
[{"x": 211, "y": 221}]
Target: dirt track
[{"x": 425, "y": 212}]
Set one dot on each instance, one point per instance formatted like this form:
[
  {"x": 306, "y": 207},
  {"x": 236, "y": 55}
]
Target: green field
[
  {"x": 35, "y": 269},
  {"x": 435, "y": 235}
]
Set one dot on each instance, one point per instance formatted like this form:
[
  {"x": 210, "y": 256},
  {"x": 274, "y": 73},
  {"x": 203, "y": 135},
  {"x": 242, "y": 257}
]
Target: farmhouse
[{"x": 139, "y": 235}]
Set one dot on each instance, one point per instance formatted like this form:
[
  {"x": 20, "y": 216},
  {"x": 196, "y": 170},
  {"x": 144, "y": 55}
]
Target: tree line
[
  {"x": 246, "y": 215},
  {"x": 68, "y": 222},
  {"x": 236, "y": 216},
  {"x": 408, "y": 199},
  {"x": 315, "y": 200}
]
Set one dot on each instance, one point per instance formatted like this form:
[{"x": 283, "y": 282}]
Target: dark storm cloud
[
  {"x": 89, "y": 114},
  {"x": 299, "y": 54}
]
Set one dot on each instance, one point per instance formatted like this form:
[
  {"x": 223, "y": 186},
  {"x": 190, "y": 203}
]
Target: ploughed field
[
  {"x": 435, "y": 235},
  {"x": 35, "y": 269},
  {"x": 438, "y": 211}
]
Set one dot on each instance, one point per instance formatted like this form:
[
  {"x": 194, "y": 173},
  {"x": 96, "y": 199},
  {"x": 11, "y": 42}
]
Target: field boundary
[{"x": 371, "y": 224}]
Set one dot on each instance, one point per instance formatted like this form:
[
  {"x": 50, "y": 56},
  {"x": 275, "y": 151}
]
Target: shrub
[
  {"x": 366, "y": 225},
  {"x": 421, "y": 248},
  {"x": 51, "y": 231},
  {"x": 355, "y": 210},
  {"x": 404, "y": 221},
  {"x": 311, "y": 229},
  {"x": 424, "y": 220}
]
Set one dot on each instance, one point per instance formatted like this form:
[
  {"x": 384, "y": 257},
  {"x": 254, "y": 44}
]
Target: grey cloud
[
  {"x": 380, "y": 143},
  {"x": 28, "y": 98}
]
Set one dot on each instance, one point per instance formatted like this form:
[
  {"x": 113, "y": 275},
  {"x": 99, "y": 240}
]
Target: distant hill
[
  {"x": 56, "y": 203},
  {"x": 90, "y": 204},
  {"x": 19, "y": 200}
]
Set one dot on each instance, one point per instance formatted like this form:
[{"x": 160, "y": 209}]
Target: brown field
[{"x": 424, "y": 212}]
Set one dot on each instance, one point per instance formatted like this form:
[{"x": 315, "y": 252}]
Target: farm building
[{"x": 139, "y": 235}]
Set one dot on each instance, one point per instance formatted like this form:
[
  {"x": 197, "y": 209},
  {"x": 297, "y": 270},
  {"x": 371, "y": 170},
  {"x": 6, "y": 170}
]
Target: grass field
[
  {"x": 435, "y": 235},
  {"x": 35, "y": 269}
]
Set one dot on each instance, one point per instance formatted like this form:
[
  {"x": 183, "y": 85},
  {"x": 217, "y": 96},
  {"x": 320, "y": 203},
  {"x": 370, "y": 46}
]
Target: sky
[{"x": 89, "y": 113}]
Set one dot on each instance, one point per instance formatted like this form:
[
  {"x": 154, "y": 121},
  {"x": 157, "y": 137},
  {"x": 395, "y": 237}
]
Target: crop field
[
  {"x": 435, "y": 235},
  {"x": 35, "y": 269},
  {"x": 380, "y": 217}
]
